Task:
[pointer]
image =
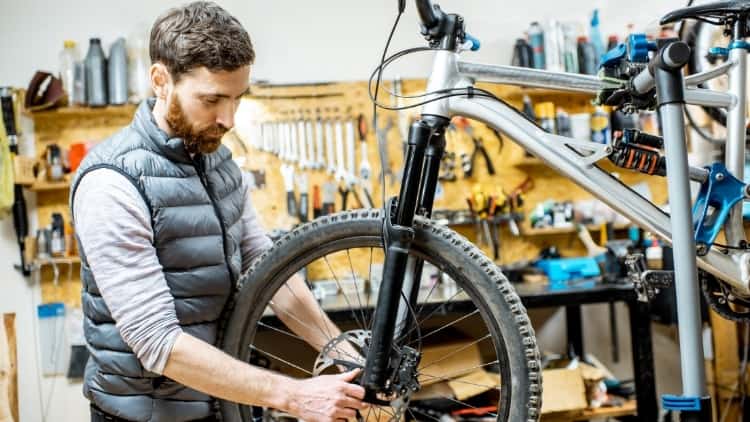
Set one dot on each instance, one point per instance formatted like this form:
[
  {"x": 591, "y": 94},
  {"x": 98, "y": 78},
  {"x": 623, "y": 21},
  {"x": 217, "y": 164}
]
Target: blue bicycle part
[
  {"x": 638, "y": 47},
  {"x": 718, "y": 194},
  {"x": 613, "y": 57},
  {"x": 475, "y": 43},
  {"x": 680, "y": 403}
]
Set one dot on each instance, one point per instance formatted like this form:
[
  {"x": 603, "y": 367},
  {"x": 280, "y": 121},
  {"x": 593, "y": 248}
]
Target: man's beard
[{"x": 204, "y": 140}]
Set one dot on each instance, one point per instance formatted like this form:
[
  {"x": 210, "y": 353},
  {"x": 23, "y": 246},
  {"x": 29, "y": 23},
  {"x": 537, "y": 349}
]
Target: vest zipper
[{"x": 198, "y": 164}]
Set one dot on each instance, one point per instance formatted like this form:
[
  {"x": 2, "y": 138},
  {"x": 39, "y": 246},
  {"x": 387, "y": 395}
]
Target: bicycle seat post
[{"x": 694, "y": 404}]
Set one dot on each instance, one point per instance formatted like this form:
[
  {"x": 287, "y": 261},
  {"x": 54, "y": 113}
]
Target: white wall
[{"x": 295, "y": 41}]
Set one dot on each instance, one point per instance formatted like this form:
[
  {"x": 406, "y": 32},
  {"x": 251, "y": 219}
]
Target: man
[{"x": 165, "y": 227}]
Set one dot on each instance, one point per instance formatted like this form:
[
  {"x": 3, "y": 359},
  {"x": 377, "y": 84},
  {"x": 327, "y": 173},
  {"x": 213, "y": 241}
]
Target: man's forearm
[{"x": 205, "y": 368}]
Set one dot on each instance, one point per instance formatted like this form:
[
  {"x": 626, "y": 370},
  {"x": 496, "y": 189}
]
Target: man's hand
[{"x": 327, "y": 398}]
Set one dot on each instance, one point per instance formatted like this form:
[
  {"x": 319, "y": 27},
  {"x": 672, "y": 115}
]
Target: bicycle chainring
[{"x": 721, "y": 299}]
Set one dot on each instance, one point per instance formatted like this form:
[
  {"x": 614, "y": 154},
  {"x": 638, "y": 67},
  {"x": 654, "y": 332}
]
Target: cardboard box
[
  {"x": 454, "y": 370},
  {"x": 563, "y": 391}
]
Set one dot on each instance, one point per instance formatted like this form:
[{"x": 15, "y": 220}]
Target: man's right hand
[{"x": 327, "y": 398}]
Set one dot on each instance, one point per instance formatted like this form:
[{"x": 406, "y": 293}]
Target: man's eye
[{"x": 211, "y": 101}]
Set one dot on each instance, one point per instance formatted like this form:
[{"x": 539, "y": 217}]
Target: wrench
[
  {"x": 319, "y": 160},
  {"x": 329, "y": 147},
  {"x": 382, "y": 134},
  {"x": 340, "y": 165},
  {"x": 300, "y": 127},
  {"x": 310, "y": 145}
]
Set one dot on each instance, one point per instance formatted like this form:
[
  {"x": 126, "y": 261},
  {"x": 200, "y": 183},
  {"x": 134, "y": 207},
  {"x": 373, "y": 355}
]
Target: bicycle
[{"x": 392, "y": 326}]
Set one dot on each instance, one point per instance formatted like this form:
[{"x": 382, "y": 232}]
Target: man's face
[{"x": 201, "y": 108}]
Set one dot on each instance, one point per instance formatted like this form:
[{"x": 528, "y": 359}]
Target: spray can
[
  {"x": 536, "y": 40},
  {"x": 96, "y": 74},
  {"x": 600, "y": 130},
  {"x": 545, "y": 112}
]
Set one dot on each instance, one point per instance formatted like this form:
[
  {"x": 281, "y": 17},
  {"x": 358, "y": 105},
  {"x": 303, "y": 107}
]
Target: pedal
[{"x": 647, "y": 283}]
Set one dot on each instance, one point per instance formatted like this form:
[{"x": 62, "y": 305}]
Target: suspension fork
[{"x": 421, "y": 165}]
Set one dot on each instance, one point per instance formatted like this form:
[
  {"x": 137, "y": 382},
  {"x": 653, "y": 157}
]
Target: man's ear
[{"x": 161, "y": 80}]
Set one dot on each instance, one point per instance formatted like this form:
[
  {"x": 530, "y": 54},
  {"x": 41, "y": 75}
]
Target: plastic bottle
[
  {"x": 554, "y": 44},
  {"x": 523, "y": 54},
  {"x": 79, "y": 83},
  {"x": 545, "y": 112},
  {"x": 612, "y": 42},
  {"x": 96, "y": 74},
  {"x": 570, "y": 49},
  {"x": 596, "y": 37},
  {"x": 117, "y": 74},
  {"x": 586, "y": 57},
  {"x": 138, "y": 65},
  {"x": 68, "y": 59},
  {"x": 536, "y": 40}
]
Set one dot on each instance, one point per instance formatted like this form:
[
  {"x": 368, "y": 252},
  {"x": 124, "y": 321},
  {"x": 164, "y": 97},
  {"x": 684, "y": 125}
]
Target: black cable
[{"x": 375, "y": 104}]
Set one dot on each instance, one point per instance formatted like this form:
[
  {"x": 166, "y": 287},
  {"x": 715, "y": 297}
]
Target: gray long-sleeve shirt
[{"x": 114, "y": 227}]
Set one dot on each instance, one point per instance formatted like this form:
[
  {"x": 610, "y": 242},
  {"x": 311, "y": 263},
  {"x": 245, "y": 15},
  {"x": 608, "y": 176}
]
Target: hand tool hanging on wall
[
  {"x": 303, "y": 200},
  {"x": 310, "y": 140},
  {"x": 329, "y": 198},
  {"x": 287, "y": 172},
  {"x": 448, "y": 167},
  {"x": 467, "y": 161},
  {"x": 317, "y": 205},
  {"x": 382, "y": 134},
  {"x": 403, "y": 121},
  {"x": 351, "y": 181},
  {"x": 365, "y": 171},
  {"x": 292, "y": 140},
  {"x": 330, "y": 154},
  {"x": 304, "y": 163},
  {"x": 340, "y": 165},
  {"x": 20, "y": 216},
  {"x": 319, "y": 157}
]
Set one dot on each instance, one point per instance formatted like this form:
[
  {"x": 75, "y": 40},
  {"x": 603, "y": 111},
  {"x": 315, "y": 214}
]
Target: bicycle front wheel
[{"x": 465, "y": 343}]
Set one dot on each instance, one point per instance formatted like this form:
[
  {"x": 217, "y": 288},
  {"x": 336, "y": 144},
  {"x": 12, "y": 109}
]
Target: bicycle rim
[{"x": 449, "y": 375}]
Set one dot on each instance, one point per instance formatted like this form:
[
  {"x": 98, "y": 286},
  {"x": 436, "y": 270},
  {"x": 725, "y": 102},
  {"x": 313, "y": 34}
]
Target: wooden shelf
[
  {"x": 628, "y": 408},
  {"x": 63, "y": 260},
  {"x": 548, "y": 231},
  {"x": 49, "y": 186},
  {"x": 82, "y": 111}
]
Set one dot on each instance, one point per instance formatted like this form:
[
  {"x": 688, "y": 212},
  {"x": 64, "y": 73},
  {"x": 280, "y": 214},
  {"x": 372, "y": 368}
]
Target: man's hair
[{"x": 199, "y": 34}]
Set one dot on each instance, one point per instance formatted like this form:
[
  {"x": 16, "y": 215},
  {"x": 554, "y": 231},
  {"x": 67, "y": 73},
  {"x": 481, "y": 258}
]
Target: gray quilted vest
[{"x": 196, "y": 205}]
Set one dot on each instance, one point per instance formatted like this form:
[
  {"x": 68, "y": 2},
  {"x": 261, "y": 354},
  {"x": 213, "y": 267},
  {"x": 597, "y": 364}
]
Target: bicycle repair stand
[{"x": 695, "y": 403}]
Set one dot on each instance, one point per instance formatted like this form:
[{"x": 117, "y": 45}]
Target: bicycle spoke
[
  {"x": 327, "y": 333},
  {"x": 356, "y": 289},
  {"x": 461, "y": 372},
  {"x": 464, "y": 347},
  {"x": 489, "y": 387},
  {"x": 447, "y": 301},
  {"x": 341, "y": 289},
  {"x": 287, "y": 333},
  {"x": 455, "y": 321},
  {"x": 281, "y": 360}
]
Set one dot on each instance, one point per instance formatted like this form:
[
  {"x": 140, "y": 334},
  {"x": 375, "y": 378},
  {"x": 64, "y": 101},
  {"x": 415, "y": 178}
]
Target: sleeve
[
  {"x": 113, "y": 225},
  {"x": 255, "y": 239}
]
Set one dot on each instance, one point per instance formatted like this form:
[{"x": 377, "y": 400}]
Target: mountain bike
[{"x": 428, "y": 285}]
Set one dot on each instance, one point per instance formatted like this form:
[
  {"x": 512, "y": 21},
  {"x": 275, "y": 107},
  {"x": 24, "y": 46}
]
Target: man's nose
[{"x": 225, "y": 117}]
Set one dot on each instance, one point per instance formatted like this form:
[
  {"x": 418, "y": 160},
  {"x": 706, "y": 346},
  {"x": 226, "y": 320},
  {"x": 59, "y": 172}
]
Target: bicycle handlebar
[
  {"x": 671, "y": 57},
  {"x": 429, "y": 14}
]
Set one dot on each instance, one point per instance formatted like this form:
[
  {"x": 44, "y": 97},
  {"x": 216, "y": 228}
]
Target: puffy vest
[{"x": 195, "y": 205}]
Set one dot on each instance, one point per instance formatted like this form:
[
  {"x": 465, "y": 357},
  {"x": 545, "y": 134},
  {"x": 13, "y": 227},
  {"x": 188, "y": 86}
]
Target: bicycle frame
[
  {"x": 450, "y": 72},
  {"x": 576, "y": 160}
]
